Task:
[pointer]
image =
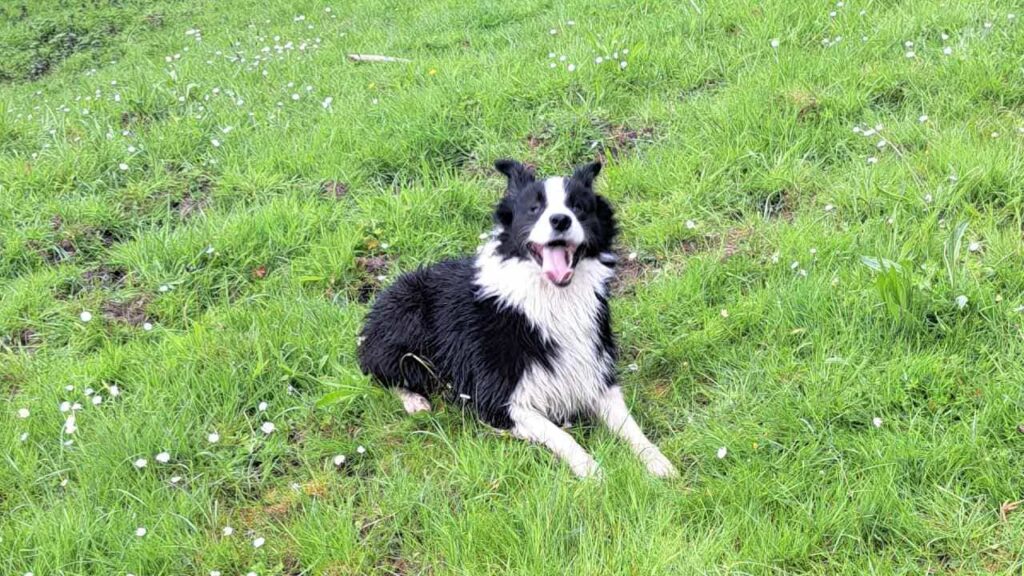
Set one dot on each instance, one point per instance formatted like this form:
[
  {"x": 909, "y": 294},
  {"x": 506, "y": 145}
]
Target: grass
[{"x": 871, "y": 416}]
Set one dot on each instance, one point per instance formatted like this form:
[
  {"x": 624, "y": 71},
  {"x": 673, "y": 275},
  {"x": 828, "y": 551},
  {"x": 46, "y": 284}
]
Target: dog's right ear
[{"x": 519, "y": 176}]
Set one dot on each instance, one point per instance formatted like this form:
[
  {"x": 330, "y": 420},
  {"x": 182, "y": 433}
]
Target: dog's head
[{"x": 555, "y": 222}]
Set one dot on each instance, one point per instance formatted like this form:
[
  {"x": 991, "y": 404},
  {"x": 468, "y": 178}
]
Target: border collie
[{"x": 522, "y": 332}]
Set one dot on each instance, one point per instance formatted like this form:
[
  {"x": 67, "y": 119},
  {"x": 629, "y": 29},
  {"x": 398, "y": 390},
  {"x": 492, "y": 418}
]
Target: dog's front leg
[
  {"x": 533, "y": 426},
  {"x": 613, "y": 412}
]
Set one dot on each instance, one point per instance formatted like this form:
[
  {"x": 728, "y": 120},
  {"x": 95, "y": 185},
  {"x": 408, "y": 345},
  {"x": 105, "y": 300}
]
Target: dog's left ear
[
  {"x": 587, "y": 173},
  {"x": 519, "y": 175}
]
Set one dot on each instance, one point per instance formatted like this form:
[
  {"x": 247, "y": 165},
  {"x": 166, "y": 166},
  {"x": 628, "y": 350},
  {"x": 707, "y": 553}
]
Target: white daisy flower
[
  {"x": 876, "y": 422},
  {"x": 262, "y": 407},
  {"x": 722, "y": 452},
  {"x": 775, "y": 43},
  {"x": 922, "y": 118},
  {"x": 268, "y": 427},
  {"x": 215, "y": 143},
  {"x": 872, "y": 160},
  {"x": 23, "y": 437},
  {"x": 213, "y": 437},
  {"x": 947, "y": 50},
  {"x": 974, "y": 246},
  {"x": 259, "y": 541},
  {"x": 633, "y": 367},
  {"x": 140, "y": 463},
  {"x": 147, "y": 326},
  {"x": 228, "y": 531},
  {"x": 97, "y": 400},
  {"x": 724, "y": 313},
  {"x": 961, "y": 302},
  {"x": 175, "y": 479},
  {"x": 690, "y": 224},
  {"x": 140, "y": 531},
  {"x": 23, "y": 413},
  {"x": 122, "y": 167},
  {"x": 571, "y": 68},
  {"x": 69, "y": 424},
  {"x": 85, "y": 316},
  {"x": 361, "y": 450},
  {"x": 623, "y": 64},
  {"x": 339, "y": 460},
  {"x": 163, "y": 457}
]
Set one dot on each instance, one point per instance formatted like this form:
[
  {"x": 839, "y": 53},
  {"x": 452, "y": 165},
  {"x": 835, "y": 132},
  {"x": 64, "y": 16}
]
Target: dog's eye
[{"x": 535, "y": 209}]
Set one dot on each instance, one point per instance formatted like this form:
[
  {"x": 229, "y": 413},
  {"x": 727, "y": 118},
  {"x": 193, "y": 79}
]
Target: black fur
[{"x": 434, "y": 328}]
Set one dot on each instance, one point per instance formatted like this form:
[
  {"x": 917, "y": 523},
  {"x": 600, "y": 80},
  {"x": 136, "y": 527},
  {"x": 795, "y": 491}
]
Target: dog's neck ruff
[{"x": 522, "y": 285}]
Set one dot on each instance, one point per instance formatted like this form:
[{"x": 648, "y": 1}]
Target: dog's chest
[
  {"x": 579, "y": 366},
  {"x": 569, "y": 320}
]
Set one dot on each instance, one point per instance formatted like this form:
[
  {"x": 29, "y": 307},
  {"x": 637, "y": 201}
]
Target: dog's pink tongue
[{"x": 556, "y": 264}]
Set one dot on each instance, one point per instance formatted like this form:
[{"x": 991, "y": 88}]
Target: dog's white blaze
[
  {"x": 566, "y": 317},
  {"x": 542, "y": 232}
]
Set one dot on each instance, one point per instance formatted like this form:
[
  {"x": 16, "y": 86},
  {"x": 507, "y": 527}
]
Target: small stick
[{"x": 375, "y": 58}]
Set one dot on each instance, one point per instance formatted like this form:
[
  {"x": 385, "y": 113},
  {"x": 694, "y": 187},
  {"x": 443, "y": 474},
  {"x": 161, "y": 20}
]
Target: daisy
[
  {"x": 140, "y": 463},
  {"x": 163, "y": 458},
  {"x": 213, "y": 437},
  {"x": 722, "y": 452},
  {"x": 268, "y": 427},
  {"x": 876, "y": 422},
  {"x": 23, "y": 413},
  {"x": 85, "y": 316},
  {"x": 259, "y": 541},
  {"x": 140, "y": 531}
]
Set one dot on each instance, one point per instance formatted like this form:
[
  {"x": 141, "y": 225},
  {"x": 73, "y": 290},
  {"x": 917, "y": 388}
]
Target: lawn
[{"x": 819, "y": 311}]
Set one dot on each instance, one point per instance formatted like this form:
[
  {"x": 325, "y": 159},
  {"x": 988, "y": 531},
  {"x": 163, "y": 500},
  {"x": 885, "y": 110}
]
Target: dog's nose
[{"x": 560, "y": 222}]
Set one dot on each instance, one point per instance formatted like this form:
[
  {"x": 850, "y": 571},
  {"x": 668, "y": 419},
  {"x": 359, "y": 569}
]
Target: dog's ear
[
  {"x": 519, "y": 176},
  {"x": 587, "y": 173}
]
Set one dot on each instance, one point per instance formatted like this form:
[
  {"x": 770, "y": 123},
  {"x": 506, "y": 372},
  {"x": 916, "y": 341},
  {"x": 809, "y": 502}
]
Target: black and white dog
[{"x": 521, "y": 332}]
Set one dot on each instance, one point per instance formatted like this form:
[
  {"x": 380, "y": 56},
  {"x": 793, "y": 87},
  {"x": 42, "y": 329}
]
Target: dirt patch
[
  {"x": 774, "y": 204},
  {"x": 154, "y": 20},
  {"x": 21, "y": 340},
  {"x": 804, "y": 102},
  {"x": 334, "y": 189},
  {"x": 104, "y": 276},
  {"x": 370, "y": 276},
  {"x": 701, "y": 88},
  {"x": 189, "y": 205},
  {"x": 630, "y": 272},
  {"x": 61, "y": 251},
  {"x": 731, "y": 243},
  {"x": 131, "y": 312},
  {"x": 623, "y": 139}
]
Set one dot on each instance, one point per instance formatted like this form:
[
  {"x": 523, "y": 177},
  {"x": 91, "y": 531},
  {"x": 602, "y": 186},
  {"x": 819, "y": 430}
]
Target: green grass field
[{"x": 199, "y": 199}]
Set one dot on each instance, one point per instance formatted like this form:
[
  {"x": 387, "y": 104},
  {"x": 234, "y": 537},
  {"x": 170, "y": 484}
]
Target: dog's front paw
[
  {"x": 587, "y": 469},
  {"x": 658, "y": 465}
]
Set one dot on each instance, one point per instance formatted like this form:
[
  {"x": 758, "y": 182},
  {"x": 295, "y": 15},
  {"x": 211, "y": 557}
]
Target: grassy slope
[{"x": 757, "y": 329}]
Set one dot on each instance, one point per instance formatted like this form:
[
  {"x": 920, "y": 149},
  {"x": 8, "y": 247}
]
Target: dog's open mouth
[{"x": 556, "y": 260}]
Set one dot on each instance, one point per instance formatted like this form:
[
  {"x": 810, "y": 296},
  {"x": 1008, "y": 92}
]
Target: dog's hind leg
[
  {"x": 534, "y": 427},
  {"x": 613, "y": 412},
  {"x": 412, "y": 401}
]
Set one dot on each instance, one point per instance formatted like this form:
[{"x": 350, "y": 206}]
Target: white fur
[
  {"x": 411, "y": 401},
  {"x": 542, "y": 232}
]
